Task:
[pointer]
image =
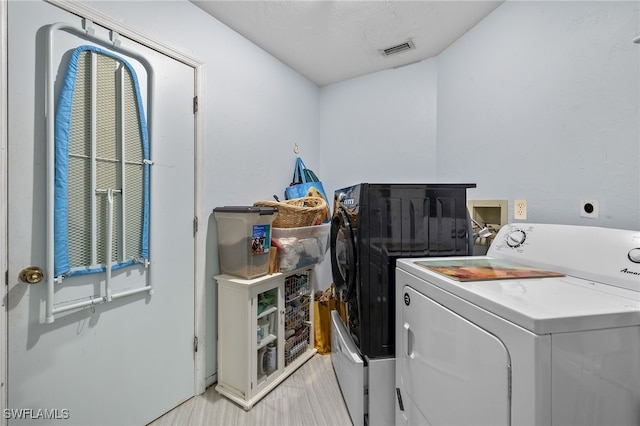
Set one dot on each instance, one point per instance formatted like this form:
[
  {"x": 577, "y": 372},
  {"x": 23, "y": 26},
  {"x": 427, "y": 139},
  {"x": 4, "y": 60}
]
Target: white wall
[
  {"x": 539, "y": 101},
  {"x": 380, "y": 127},
  {"x": 256, "y": 108}
]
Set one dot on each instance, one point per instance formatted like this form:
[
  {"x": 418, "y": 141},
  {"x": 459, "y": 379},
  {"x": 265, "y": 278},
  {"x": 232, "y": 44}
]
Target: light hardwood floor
[{"x": 310, "y": 396}]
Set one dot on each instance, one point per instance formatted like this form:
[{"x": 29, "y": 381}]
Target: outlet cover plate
[{"x": 520, "y": 209}]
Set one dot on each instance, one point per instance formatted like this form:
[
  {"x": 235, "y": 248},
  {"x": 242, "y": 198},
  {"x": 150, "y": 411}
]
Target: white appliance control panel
[{"x": 609, "y": 256}]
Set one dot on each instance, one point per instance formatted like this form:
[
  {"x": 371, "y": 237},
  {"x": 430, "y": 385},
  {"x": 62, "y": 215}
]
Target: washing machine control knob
[
  {"x": 634, "y": 255},
  {"x": 516, "y": 238}
]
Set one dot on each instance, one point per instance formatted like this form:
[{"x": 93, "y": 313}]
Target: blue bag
[{"x": 305, "y": 183}]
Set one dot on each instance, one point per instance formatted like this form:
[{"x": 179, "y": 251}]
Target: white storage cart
[{"x": 261, "y": 319}]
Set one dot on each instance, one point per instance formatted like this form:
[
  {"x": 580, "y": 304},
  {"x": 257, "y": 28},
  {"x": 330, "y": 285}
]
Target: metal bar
[
  {"x": 107, "y": 261},
  {"x": 106, "y": 191},
  {"x": 50, "y": 178},
  {"x": 98, "y": 301},
  {"x": 149, "y": 285},
  {"x": 94, "y": 154},
  {"x": 130, "y": 292},
  {"x": 150, "y": 132},
  {"x": 78, "y": 305},
  {"x": 123, "y": 182},
  {"x": 106, "y": 160}
]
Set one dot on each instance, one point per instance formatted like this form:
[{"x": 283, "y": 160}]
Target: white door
[
  {"x": 451, "y": 371},
  {"x": 130, "y": 360}
]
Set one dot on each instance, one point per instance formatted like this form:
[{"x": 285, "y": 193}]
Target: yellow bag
[{"x": 322, "y": 320}]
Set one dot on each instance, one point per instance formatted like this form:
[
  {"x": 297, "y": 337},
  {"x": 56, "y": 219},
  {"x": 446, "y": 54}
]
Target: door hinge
[
  {"x": 6, "y": 277},
  {"x": 195, "y": 104},
  {"x": 509, "y": 390},
  {"x": 195, "y": 225},
  {"x": 399, "y": 395},
  {"x": 195, "y": 343}
]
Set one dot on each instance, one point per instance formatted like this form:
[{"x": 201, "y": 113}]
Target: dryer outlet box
[
  {"x": 491, "y": 213},
  {"x": 589, "y": 208}
]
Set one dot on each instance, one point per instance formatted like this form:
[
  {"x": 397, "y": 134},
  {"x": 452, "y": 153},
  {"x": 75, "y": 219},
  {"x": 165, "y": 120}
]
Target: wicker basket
[{"x": 297, "y": 212}]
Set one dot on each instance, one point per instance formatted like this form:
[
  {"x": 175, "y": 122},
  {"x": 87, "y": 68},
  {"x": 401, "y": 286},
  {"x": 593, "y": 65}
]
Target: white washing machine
[{"x": 543, "y": 330}]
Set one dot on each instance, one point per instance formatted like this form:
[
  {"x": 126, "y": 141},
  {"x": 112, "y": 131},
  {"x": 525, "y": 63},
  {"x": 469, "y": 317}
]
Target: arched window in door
[{"x": 101, "y": 205}]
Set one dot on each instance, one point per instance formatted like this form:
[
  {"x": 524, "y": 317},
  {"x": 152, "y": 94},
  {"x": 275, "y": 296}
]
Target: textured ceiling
[{"x": 331, "y": 41}]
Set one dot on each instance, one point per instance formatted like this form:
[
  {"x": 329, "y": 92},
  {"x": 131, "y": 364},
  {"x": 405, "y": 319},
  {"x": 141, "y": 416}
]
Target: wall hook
[
  {"x": 296, "y": 148},
  {"x": 115, "y": 38},
  {"x": 87, "y": 26}
]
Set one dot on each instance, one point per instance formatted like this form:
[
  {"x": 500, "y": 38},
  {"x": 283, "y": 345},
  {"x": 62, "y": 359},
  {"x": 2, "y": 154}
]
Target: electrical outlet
[
  {"x": 589, "y": 208},
  {"x": 520, "y": 209}
]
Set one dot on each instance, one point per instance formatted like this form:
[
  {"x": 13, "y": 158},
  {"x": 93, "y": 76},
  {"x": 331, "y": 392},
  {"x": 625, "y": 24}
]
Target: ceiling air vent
[{"x": 407, "y": 45}]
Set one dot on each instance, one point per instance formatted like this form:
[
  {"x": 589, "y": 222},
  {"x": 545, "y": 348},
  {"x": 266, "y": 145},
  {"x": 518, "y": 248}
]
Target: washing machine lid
[{"x": 545, "y": 305}]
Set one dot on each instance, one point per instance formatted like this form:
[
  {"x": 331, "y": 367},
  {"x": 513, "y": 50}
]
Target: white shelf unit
[{"x": 281, "y": 303}]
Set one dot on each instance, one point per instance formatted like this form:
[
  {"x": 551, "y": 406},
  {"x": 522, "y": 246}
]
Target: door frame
[
  {"x": 4, "y": 211},
  {"x": 99, "y": 18}
]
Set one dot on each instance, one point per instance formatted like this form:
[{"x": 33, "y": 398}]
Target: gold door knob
[{"x": 31, "y": 275}]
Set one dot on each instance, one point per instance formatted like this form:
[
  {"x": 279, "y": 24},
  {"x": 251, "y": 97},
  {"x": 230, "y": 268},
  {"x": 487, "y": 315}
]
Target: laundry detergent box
[
  {"x": 301, "y": 247},
  {"x": 244, "y": 239}
]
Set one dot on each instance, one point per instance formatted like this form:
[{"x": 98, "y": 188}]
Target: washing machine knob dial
[
  {"x": 634, "y": 255},
  {"x": 516, "y": 238}
]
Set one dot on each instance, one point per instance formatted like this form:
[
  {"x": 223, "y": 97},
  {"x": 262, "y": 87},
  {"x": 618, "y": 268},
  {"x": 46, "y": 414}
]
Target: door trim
[
  {"x": 4, "y": 396},
  {"x": 199, "y": 185}
]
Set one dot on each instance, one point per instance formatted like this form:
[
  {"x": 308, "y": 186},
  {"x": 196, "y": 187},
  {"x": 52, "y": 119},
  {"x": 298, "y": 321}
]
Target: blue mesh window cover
[{"x": 101, "y": 154}]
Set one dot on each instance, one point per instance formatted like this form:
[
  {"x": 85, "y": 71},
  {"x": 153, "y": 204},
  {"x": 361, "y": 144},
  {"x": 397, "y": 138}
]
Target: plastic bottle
[{"x": 271, "y": 358}]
